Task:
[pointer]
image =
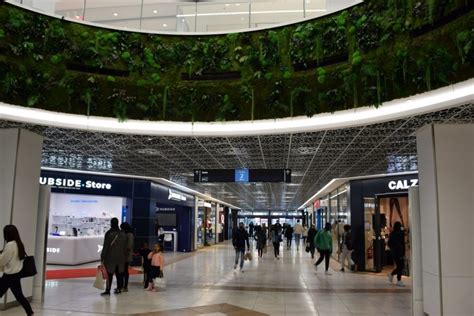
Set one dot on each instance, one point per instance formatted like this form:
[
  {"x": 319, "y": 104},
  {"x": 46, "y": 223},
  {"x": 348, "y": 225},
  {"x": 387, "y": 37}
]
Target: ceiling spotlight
[
  {"x": 165, "y": 25},
  {"x": 237, "y": 4},
  {"x": 78, "y": 17},
  {"x": 227, "y": 4},
  {"x": 155, "y": 11},
  {"x": 115, "y": 14}
]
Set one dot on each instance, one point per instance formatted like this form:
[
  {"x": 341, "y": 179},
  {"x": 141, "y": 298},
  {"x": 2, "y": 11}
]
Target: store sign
[
  {"x": 402, "y": 184},
  {"x": 62, "y": 183},
  {"x": 173, "y": 195},
  {"x": 53, "y": 250}
]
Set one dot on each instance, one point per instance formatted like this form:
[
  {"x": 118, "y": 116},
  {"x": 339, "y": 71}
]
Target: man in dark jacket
[
  {"x": 113, "y": 255},
  {"x": 239, "y": 238},
  {"x": 311, "y": 234},
  {"x": 396, "y": 242}
]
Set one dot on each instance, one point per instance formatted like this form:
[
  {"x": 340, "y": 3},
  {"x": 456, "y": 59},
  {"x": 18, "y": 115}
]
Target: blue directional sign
[{"x": 241, "y": 175}]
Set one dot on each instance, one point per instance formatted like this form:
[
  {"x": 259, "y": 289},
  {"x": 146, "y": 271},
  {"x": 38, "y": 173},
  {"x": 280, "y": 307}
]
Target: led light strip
[
  {"x": 246, "y": 13},
  {"x": 443, "y": 98}
]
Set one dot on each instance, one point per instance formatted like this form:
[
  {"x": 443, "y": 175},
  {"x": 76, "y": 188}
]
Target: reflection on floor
[{"x": 206, "y": 279}]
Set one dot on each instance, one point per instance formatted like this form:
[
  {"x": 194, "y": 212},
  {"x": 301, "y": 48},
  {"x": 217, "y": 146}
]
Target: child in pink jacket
[{"x": 157, "y": 264}]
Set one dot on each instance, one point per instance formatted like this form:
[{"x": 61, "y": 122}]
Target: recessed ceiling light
[
  {"x": 165, "y": 25},
  {"x": 155, "y": 11},
  {"x": 227, "y": 4},
  {"x": 115, "y": 14}
]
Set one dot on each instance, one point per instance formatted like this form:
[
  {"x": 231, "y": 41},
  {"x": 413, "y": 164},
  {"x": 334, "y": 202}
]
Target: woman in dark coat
[
  {"x": 396, "y": 242},
  {"x": 114, "y": 255},
  {"x": 311, "y": 234},
  {"x": 261, "y": 239}
]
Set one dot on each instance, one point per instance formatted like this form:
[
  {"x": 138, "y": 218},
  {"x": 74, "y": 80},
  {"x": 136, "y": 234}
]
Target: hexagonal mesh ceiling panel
[{"x": 315, "y": 158}]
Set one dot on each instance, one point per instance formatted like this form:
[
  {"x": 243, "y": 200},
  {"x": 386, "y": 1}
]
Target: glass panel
[
  {"x": 73, "y": 9},
  {"x": 161, "y": 16},
  {"x": 222, "y": 16},
  {"x": 394, "y": 209},
  {"x": 265, "y": 14},
  {"x": 125, "y": 13},
  {"x": 315, "y": 8},
  {"x": 369, "y": 213},
  {"x": 200, "y": 227}
]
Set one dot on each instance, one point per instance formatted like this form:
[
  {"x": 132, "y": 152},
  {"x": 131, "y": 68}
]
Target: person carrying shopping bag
[
  {"x": 11, "y": 264},
  {"x": 156, "y": 268}
]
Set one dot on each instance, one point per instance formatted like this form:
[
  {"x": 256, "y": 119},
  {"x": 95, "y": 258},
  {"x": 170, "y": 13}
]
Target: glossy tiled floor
[{"x": 206, "y": 279}]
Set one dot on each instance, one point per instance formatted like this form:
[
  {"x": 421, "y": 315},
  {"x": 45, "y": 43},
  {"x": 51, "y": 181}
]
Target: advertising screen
[{"x": 83, "y": 215}]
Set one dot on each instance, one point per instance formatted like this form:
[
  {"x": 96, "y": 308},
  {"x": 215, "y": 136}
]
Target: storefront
[
  {"x": 82, "y": 205},
  {"x": 371, "y": 205}
]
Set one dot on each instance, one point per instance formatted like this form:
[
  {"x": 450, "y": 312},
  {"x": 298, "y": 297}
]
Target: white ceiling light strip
[{"x": 436, "y": 100}]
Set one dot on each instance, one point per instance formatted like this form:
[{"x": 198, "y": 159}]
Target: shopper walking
[
  {"x": 157, "y": 264},
  {"x": 146, "y": 263},
  {"x": 11, "y": 263},
  {"x": 276, "y": 239},
  {"x": 261, "y": 239},
  {"x": 289, "y": 236},
  {"x": 113, "y": 256},
  {"x": 396, "y": 242},
  {"x": 298, "y": 234},
  {"x": 347, "y": 248},
  {"x": 127, "y": 229},
  {"x": 323, "y": 242},
  {"x": 251, "y": 229},
  {"x": 305, "y": 234},
  {"x": 239, "y": 239},
  {"x": 310, "y": 241}
]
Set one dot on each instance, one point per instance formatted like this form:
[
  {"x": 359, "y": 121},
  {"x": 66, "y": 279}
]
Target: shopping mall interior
[{"x": 331, "y": 128}]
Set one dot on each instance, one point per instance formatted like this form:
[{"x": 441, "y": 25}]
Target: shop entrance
[{"x": 381, "y": 213}]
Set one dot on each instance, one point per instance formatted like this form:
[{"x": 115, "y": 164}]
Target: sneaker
[
  {"x": 327, "y": 273},
  {"x": 105, "y": 293},
  {"x": 241, "y": 270},
  {"x": 235, "y": 267},
  {"x": 117, "y": 291},
  {"x": 342, "y": 270},
  {"x": 400, "y": 283},
  {"x": 390, "y": 278},
  {"x": 125, "y": 289}
]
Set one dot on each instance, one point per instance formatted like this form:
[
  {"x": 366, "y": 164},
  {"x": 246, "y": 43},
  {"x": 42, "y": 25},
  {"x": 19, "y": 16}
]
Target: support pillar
[
  {"x": 446, "y": 173},
  {"x": 20, "y": 167}
]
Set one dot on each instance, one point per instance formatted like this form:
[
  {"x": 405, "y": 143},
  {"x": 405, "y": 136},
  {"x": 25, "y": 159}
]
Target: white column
[
  {"x": 41, "y": 242},
  {"x": 415, "y": 242},
  {"x": 20, "y": 162},
  {"x": 446, "y": 172}
]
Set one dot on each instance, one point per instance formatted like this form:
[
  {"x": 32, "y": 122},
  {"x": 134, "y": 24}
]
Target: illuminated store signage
[
  {"x": 62, "y": 183},
  {"x": 402, "y": 184},
  {"x": 173, "y": 195},
  {"x": 53, "y": 250}
]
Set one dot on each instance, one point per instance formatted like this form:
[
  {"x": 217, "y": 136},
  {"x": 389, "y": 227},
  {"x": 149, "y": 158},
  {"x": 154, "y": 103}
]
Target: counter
[{"x": 73, "y": 250}]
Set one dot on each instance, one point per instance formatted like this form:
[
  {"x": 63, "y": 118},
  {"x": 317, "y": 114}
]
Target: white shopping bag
[
  {"x": 99, "y": 282},
  {"x": 159, "y": 283}
]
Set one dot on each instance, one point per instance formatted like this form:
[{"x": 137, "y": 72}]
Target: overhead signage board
[{"x": 242, "y": 175}]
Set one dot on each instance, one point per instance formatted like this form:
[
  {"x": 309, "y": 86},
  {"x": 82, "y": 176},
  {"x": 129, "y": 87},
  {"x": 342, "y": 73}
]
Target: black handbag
[{"x": 29, "y": 267}]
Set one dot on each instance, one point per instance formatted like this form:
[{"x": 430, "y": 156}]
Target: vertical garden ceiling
[{"x": 371, "y": 53}]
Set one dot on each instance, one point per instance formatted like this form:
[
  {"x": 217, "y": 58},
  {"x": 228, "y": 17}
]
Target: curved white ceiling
[
  {"x": 186, "y": 16},
  {"x": 423, "y": 103}
]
